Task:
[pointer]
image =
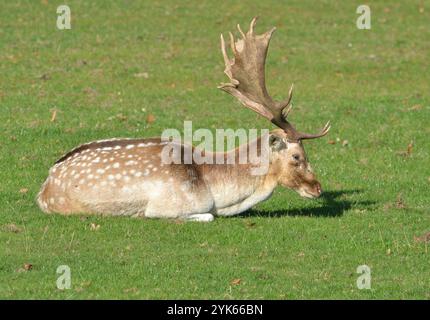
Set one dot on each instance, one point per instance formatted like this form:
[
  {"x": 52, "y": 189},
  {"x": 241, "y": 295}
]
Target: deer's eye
[{"x": 296, "y": 157}]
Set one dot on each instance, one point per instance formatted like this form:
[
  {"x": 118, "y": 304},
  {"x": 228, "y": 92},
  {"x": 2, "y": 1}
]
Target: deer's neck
[{"x": 236, "y": 187}]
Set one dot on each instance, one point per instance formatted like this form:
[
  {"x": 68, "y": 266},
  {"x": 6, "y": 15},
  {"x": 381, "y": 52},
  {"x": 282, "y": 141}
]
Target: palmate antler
[{"x": 246, "y": 72}]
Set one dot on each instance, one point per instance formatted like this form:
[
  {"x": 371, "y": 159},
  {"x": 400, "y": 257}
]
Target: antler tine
[
  {"x": 286, "y": 102},
  {"x": 240, "y": 30},
  {"x": 224, "y": 52},
  {"x": 227, "y": 62},
  {"x": 322, "y": 133},
  {"x": 252, "y": 25},
  {"x": 286, "y": 111},
  {"x": 269, "y": 33},
  {"x": 232, "y": 45}
]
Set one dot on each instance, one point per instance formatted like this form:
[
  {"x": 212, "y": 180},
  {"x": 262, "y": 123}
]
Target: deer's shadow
[{"x": 331, "y": 206}]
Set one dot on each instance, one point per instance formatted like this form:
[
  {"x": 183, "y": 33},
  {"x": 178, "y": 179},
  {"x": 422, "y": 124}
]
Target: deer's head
[
  {"x": 246, "y": 72},
  {"x": 290, "y": 165}
]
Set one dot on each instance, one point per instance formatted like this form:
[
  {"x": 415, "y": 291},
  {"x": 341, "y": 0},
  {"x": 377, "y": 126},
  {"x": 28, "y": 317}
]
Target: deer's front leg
[{"x": 201, "y": 217}]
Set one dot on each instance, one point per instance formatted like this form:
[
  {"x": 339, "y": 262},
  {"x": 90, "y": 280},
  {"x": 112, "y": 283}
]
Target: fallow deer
[{"x": 127, "y": 176}]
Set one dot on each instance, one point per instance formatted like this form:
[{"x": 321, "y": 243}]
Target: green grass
[{"x": 372, "y": 84}]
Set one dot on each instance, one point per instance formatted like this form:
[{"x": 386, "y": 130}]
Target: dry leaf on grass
[
  {"x": 424, "y": 238},
  {"x": 408, "y": 151},
  {"x": 12, "y": 228},
  {"x": 250, "y": 224},
  {"x": 144, "y": 75},
  {"x": 25, "y": 267},
  {"x": 45, "y": 77},
  {"x": 53, "y": 115},
  {"x": 28, "y": 266},
  {"x": 81, "y": 63},
  {"x": 90, "y": 91},
  {"x": 131, "y": 290},
  {"x": 150, "y": 118},
  {"x": 121, "y": 117},
  {"x": 235, "y": 282},
  {"x": 94, "y": 227},
  {"x": 400, "y": 203},
  {"x": 364, "y": 161},
  {"x": 23, "y": 190},
  {"x": 415, "y": 107}
]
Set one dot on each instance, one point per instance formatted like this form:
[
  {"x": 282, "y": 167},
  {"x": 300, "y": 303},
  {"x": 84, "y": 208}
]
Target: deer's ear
[{"x": 276, "y": 142}]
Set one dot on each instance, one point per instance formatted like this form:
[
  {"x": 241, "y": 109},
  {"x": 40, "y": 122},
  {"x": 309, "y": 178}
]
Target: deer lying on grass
[{"x": 127, "y": 176}]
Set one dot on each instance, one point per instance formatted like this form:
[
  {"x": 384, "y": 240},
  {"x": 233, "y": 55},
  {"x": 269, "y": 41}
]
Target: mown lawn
[{"x": 125, "y": 62}]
